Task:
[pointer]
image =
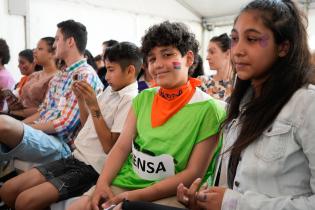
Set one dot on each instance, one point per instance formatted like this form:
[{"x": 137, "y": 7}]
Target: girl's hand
[
  {"x": 210, "y": 198},
  {"x": 188, "y": 196},
  {"x": 13, "y": 103}
]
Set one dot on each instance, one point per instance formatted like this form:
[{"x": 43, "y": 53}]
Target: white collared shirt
[{"x": 114, "y": 106}]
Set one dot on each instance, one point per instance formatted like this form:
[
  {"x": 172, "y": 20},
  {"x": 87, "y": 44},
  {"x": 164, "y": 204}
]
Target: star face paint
[
  {"x": 177, "y": 65},
  {"x": 264, "y": 41}
]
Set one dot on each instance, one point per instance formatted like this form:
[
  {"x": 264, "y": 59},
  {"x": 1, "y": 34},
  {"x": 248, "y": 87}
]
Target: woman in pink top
[
  {"x": 6, "y": 79},
  {"x": 34, "y": 90}
]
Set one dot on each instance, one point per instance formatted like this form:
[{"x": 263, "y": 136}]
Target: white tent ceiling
[
  {"x": 213, "y": 8},
  {"x": 191, "y": 10},
  {"x": 217, "y": 8}
]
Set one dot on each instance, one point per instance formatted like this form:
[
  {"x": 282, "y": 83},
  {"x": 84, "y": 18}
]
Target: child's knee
[
  {"x": 9, "y": 192},
  {"x": 24, "y": 201},
  {"x": 4, "y": 126},
  {"x": 83, "y": 203}
]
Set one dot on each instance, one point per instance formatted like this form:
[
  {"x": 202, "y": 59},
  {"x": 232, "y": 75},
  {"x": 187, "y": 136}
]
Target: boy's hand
[
  {"x": 77, "y": 92},
  {"x": 84, "y": 91},
  {"x": 116, "y": 200},
  {"x": 100, "y": 196}
]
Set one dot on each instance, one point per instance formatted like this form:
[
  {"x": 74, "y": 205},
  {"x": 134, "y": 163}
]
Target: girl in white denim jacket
[{"x": 268, "y": 159}]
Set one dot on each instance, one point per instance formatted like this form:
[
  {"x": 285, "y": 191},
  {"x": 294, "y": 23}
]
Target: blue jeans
[{"x": 36, "y": 146}]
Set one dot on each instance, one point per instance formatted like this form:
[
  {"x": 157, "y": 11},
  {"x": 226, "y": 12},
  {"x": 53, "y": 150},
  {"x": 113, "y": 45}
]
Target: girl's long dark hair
[{"x": 287, "y": 75}]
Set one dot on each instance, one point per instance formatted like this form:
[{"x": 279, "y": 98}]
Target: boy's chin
[{"x": 115, "y": 88}]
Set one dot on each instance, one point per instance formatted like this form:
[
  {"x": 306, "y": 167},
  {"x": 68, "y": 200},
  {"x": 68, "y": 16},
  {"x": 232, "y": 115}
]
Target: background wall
[
  {"x": 12, "y": 29},
  {"x": 123, "y": 20},
  {"x": 102, "y": 22},
  {"x": 311, "y": 27}
]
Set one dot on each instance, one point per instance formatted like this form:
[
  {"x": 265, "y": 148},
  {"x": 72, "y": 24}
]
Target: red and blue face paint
[{"x": 177, "y": 65}]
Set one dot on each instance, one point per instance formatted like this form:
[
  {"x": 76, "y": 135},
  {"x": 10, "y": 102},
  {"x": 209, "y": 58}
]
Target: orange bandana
[{"x": 166, "y": 102}]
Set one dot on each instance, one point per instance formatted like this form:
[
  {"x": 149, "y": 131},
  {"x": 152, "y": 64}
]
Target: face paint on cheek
[
  {"x": 264, "y": 41},
  {"x": 177, "y": 65}
]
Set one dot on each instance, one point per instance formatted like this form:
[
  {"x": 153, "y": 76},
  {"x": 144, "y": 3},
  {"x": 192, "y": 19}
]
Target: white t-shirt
[{"x": 114, "y": 106}]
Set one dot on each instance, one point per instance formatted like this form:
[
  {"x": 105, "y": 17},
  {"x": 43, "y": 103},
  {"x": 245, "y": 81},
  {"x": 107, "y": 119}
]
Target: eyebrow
[
  {"x": 247, "y": 30},
  {"x": 166, "y": 49},
  {"x": 161, "y": 51},
  {"x": 109, "y": 66}
]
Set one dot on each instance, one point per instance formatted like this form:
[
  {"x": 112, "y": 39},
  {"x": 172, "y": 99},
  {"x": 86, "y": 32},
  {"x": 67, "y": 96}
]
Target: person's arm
[
  {"x": 32, "y": 118},
  {"x": 24, "y": 112},
  {"x": 47, "y": 127},
  {"x": 106, "y": 137},
  {"x": 120, "y": 115},
  {"x": 84, "y": 113},
  {"x": 13, "y": 102},
  {"x": 115, "y": 159}
]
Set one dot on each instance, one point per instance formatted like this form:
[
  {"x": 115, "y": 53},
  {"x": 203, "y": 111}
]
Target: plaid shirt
[{"x": 60, "y": 104}]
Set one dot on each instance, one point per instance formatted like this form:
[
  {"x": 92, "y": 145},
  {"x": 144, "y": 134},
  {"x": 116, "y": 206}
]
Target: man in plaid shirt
[{"x": 45, "y": 136}]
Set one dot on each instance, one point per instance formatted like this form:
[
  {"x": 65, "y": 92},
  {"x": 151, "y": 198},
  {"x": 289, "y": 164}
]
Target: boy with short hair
[
  {"x": 170, "y": 130},
  {"x": 103, "y": 120}
]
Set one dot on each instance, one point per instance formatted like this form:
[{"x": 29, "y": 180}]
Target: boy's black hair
[
  {"x": 110, "y": 43},
  {"x": 170, "y": 34},
  {"x": 4, "y": 52},
  {"x": 77, "y": 30},
  {"x": 125, "y": 54}
]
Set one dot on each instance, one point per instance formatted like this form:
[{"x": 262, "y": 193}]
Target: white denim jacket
[{"x": 277, "y": 171}]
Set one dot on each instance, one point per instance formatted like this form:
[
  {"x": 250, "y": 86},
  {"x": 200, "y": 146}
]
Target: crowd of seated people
[{"x": 145, "y": 127}]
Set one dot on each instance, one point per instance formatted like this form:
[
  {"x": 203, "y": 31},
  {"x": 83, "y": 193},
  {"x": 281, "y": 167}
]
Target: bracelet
[{"x": 96, "y": 113}]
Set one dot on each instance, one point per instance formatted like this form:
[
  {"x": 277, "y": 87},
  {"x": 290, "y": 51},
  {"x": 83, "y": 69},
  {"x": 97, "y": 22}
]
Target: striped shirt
[{"x": 60, "y": 104}]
